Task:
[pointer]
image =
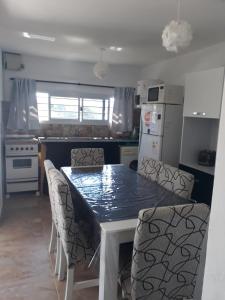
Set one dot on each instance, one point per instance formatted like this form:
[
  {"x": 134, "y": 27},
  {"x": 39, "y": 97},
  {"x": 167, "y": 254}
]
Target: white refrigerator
[{"x": 160, "y": 132}]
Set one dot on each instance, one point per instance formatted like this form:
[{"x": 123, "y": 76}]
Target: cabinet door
[
  {"x": 203, "y": 93},
  {"x": 203, "y": 185}
]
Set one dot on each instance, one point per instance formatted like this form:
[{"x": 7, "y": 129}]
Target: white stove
[{"x": 21, "y": 156}]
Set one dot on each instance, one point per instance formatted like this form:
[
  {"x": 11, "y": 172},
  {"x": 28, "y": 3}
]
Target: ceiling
[{"x": 82, "y": 27}]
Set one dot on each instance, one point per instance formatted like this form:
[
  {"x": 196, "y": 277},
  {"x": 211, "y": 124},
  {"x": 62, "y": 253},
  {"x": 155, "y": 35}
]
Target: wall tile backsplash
[
  {"x": 74, "y": 130},
  {"x": 67, "y": 130}
]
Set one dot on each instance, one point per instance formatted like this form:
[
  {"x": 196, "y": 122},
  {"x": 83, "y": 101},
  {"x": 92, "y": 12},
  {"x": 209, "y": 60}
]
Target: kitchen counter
[{"x": 85, "y": 140}]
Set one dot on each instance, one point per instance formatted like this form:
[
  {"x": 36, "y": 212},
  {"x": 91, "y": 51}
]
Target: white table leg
[
  {"x": 109, "y": 265},
  {"x": 112, "y": 235}
]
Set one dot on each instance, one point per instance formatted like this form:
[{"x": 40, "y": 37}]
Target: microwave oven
[{"x": 171, "y": 94}]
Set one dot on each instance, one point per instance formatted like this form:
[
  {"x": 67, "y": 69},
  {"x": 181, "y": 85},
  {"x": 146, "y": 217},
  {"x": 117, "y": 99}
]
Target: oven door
[{"x": 21, "y": 167}]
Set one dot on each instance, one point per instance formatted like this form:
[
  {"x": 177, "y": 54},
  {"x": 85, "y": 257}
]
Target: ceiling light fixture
[
  {"x": 38, "y": 37},
  {"x": 177, "y": 34},
  {"x": 101, "y": 68},
  {"x": 113, "y": 48}
]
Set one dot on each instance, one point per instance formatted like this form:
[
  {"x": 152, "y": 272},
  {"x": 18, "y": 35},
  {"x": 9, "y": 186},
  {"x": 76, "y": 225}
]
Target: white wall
[
  {"x": 65, "y": 70},
  {"x": 1, "y": 142},
  {"x": 173, "y": 70},
  {"x": 214, "y": 280}
]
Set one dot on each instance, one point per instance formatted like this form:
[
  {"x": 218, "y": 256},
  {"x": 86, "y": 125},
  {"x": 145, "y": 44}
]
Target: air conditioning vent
[{"x": 12, "y": 61}]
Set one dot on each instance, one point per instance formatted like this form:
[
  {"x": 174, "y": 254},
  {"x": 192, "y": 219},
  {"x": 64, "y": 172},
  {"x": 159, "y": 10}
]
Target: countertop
[
  {"x": 44, "y": 140},
  {"x": 196, "y": 166}
]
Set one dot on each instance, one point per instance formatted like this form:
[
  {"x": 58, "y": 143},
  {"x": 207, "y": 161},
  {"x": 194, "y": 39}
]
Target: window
[
  {"x": 73, "y": 109},
  {"x": 64, "y": 108},
  {"x": 95, "y": 109},
  {"x": 43, "y": 106}
]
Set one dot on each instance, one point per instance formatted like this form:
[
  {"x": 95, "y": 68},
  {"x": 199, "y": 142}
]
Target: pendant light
[
  {"x": 101, "y": 68},
  {"x": 177, "y": 34}
]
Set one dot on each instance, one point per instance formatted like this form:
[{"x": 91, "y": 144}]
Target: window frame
[
  {"x": 80, "y": 120},
  {"x": 91, "y": 121}
]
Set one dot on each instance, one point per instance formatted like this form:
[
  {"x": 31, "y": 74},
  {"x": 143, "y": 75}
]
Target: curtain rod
[{"x": 73, "y": 83}]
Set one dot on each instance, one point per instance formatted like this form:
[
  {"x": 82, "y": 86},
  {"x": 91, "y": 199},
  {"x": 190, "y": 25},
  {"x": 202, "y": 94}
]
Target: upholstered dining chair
[
  {"x": 176, "y": 180},
  {"x": 87, "y": 157},
  {"x": 149, "y": 168},
  {"x": 54, "y": 241},
  {"x": 167, "y": 248},
  {"x": 75, "y": 248}
]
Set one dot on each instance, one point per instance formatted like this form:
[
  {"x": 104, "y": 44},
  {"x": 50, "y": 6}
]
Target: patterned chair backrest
[
  {"x": 76, "y": 249},
  {"x": 87, "y": 157},
  {"x": 167, "y": 248},
  {"x": 149, "y": 168},
  {"x": 48, "y": 166},
  {"x": 176, "y": 180}
]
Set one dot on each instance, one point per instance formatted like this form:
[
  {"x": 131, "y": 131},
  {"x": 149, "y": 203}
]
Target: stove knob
[
  {"x": 31, "y": 148},
  {"x": 17, "y": 148},
  {"x": 12, "y": 148},
  {"x": 21, "y": 148},
  {"x": 27, "y": 148}
]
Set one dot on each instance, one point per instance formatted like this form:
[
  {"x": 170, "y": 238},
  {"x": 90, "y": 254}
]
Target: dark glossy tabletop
[{"x": 115, "y": 192}]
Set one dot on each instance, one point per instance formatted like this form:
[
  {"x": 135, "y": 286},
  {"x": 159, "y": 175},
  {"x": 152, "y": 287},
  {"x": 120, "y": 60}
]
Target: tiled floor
[{"x": 26, "y": 270}]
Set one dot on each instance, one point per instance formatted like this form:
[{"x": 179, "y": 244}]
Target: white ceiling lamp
[
  {"x": 118, "y": 49},
  {"x": 101, "y": 68},
  {"x": 177, "y": 34},
  {"x": 38, "y": 37}
]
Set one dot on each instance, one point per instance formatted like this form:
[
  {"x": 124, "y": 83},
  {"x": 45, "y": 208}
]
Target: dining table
[{"x": 111, "y": 197}]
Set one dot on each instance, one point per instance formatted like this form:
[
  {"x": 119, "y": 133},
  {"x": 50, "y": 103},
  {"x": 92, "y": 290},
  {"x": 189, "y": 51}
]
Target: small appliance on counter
[{"x": 207, "y": 158}]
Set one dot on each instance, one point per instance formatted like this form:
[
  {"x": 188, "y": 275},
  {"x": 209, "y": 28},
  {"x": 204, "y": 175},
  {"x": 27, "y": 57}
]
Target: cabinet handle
[{"x": 198, "y": 113}]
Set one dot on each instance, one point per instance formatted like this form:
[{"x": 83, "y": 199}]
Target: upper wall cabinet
[{"x": 203, "y": 93}]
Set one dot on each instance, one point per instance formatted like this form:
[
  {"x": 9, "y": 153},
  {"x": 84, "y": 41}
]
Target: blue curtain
[
  {"x": 23, "y": 113},
  {"x": 122, "y": 119}
]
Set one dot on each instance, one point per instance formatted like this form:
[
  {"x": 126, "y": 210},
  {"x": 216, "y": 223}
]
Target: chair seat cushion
[
  {"x": 125, "y": 263},
  {"x": 79, "y": 249},
  {"x": 125, "y": 282},
  {"x": 176, "y": 180},
  {"x": 149, "y": 168},
  {"x": 77, "y": 246},
  {"x": 87, "y": 157}
]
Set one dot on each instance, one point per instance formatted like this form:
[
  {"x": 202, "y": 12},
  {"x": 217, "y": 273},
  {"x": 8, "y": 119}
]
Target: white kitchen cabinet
[
  {"x": 128, "y": 154},
  {"x": 198, "y": 134},
  {"x": 203, "y": 93}
]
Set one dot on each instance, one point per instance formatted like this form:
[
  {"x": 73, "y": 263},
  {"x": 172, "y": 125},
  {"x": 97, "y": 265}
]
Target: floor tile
[{"x": 26, "y": 269}]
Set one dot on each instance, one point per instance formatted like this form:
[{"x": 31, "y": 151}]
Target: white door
[
  {"x": 152, "y": 117},
  {"x": 150, "y": 146}
]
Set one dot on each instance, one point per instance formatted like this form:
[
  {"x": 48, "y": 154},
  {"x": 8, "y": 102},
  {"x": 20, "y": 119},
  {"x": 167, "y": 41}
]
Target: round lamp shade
[
  {"x": 177, "y": 34},
  {"x": 101, "y": 69}
]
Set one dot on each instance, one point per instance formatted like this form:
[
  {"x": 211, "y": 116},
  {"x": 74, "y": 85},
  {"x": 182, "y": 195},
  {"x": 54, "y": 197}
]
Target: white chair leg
[
  {"x": 53, "y": 238},
  {"x": 69, "y": 284},
  {"x": 62, "y": 263},
  {"x": 57, "y": 256}
]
